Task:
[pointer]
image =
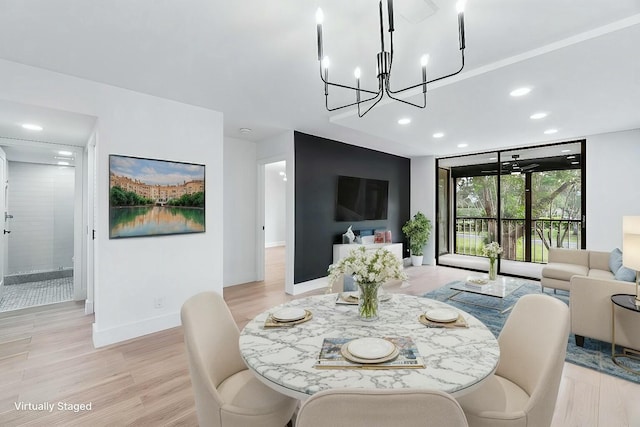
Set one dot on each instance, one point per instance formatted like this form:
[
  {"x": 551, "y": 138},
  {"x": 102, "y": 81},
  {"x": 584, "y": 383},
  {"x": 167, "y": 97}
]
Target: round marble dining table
[{"x": 456, "y": 360}]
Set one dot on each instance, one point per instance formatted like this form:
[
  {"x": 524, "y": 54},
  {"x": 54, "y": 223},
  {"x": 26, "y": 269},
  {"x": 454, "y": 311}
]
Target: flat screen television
[{"x": 360, "y": 199}]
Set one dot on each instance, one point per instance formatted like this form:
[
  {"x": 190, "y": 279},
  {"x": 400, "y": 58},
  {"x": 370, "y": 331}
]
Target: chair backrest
[
  {"x": 533, "y": 346},
  {"x": 211, "y": 337},
  {"x": 380, "y": 408}
]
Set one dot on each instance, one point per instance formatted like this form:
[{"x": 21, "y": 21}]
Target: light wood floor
[{"x": 46, "y": 355}]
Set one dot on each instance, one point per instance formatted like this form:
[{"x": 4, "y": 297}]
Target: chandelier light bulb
[
  {"x": 319, "y": 16},
  {"x": 357, "y": 73},
  {"x": 325, "y": 63},
  {"x": 460, "y": 6},
  {"x": 424, "y": 60}
]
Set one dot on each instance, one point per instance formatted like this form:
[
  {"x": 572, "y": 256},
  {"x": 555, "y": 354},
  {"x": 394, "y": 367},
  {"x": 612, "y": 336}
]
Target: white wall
[
  {"x": 613, "y": 186},
  {"x": 132, "y": 273},
  {"x": 278, "y": 148},
  {"x": 275, "y": 208},
  {"x": 239, "y": 231},
  {"x": 41, "y": 200},
  {"x": 423, "y": 196}
]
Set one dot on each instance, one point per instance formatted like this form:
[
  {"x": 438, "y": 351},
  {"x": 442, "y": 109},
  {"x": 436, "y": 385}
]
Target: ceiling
[{"x": 256, "y": 62}]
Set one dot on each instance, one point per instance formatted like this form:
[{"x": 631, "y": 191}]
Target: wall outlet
[{"x": 158, "y": 302}]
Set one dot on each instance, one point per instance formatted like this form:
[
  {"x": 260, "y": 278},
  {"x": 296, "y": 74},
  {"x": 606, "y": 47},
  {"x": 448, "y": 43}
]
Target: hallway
[{"x": 30, "y": 294}]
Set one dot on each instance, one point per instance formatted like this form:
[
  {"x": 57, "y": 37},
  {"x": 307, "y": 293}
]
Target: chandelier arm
[
  {"x": 424, "y": 100},
  {"x": 371, "y": 106},
  {"x": 429, "y": 81},
  {"x": 349, "y": 105},
  {"x": 345, "y": 86}
]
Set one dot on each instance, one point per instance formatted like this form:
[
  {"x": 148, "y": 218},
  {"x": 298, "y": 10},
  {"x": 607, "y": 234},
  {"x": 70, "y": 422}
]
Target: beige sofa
[
  {"x": 566, "y": 263},
  {"x": 586, "y": 275}
]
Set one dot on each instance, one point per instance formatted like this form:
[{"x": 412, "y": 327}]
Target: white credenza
[{"x": 341, "y": 251}]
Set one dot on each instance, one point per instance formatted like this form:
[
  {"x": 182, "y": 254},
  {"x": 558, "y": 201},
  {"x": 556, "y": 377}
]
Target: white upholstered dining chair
[
  {"x": 524, "y": 389},
  {"x": 351, "y": 407},
  {"x": 227, "y": 394}
]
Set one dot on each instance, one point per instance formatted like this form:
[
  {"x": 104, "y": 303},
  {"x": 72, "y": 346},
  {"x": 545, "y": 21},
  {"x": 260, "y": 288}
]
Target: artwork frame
[{"x": 154, "y": 197}]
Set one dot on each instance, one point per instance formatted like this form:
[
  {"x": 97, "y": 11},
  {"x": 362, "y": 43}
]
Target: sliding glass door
[{"x": 528, "y": 200}]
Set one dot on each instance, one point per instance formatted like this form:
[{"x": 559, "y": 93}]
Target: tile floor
[{"x": 30, "y": 294}]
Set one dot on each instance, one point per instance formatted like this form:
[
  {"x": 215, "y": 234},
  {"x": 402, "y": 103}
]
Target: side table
[{"x": 627, "y": 302}]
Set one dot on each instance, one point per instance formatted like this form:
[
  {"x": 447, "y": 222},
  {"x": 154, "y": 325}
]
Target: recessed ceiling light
[
  {"x": 438, "y": 134},
  {"x": 404, "y": 121},
  {"x": 245, "y": 130},
  {"x": 62, "y": 158},
  {"x": 63, "y": 163},
  {"x": 566, "y": 150},
  {"x": 538, "y": 116},
  {"x": 550, "y": 131},
  {"x": 463, "y": 145},
  {"x": 575, "y": 163},
  {"x": 520, "y": 91},
  {"x": 65, "y": 153},
  {"x": 281, "y": 173},
  {"x": 493, "y": 158},
  {"x": 571, "y": 157},
  {"x": 31, "y": 126}
]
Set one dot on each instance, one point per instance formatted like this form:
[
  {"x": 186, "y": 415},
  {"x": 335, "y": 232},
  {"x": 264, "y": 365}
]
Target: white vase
[{"x": 416, "y": 260}]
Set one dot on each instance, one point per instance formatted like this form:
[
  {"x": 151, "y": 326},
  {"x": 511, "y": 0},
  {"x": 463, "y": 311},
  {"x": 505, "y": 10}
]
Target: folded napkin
[
  {"x": 273, "y": 323},
  {"x": 460, "y": 322}
]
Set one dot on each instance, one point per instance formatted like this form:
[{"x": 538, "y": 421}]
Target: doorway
[
  {"x": 275, "y": 221},
  {"x": 39, "y": 210}
]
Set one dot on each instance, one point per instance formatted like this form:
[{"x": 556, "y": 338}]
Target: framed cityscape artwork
[{"x": 150, "y": 197}]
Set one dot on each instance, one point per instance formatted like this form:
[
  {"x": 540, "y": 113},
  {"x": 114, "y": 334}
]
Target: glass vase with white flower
[
  {"x": 492, "y": 251},
  {"x": 369, "y": 269}
]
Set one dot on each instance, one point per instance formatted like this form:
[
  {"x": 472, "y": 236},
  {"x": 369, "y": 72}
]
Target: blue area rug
[{"x": 594, "y": 355}]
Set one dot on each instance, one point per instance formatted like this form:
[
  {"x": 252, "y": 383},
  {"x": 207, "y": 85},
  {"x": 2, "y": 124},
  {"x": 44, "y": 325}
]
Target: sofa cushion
[
  {"x": 625, "y": 274},
  {"x": 615, "y": 260},
  {"x": 601, "y": 274},
  {"x": 562, "y": 271}
]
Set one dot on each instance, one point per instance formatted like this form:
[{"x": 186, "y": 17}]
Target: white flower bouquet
[
  {"x": 492, "y": 250},
  {"x": 370, "y": 269}
]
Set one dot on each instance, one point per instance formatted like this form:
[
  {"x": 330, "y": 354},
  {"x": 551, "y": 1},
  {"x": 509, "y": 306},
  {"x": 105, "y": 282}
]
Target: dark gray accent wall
[{"x": 318, "y": 163}]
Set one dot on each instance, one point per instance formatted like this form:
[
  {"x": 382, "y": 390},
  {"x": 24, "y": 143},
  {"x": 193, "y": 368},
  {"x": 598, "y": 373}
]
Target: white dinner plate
[
  {"x": 443, "y": 315},
  {"x": 371, "y": 348},
  {"x": 289, "y": 314}
]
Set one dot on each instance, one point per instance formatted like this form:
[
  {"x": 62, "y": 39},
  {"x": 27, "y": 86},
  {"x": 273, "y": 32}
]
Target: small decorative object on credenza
[
  {"x": 370, "y": 270},
  {"x": 349, "y": 236},
  {"x": 631, "y": 248},
  {"x": 417, "y": 230},
  {"x": 492, "y": 251}
]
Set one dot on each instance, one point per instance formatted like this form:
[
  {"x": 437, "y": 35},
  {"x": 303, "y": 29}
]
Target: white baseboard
[
  {"x": 310, "y": 285},
  {"x": 109, "y": 336},
  {"x": 241, "y": 278},
  {"x": 88, "y": 307},
  {"x": 274, "y": 244}
]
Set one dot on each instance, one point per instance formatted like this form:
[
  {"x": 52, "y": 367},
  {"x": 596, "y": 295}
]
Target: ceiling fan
[{"x": 516, "y": 169}]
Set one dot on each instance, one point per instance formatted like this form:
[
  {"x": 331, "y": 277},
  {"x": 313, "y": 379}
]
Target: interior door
[{"x": 5, "y": 215}]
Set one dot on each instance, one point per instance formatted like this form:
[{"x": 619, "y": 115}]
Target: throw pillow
[
  {"x": 615, "y": 260},
  {"x": 625, "y": 274}
]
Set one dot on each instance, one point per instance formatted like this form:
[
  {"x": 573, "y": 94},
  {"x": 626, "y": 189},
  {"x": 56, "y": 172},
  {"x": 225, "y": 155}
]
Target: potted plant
[{"x": 417, "y": 230}]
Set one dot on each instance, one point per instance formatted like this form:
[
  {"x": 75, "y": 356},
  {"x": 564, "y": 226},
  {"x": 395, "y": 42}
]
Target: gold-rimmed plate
[
  {"x": 441, "y": 315},
  {"x": 344, "y": 350},
  {"x": 289, "y": 314}
]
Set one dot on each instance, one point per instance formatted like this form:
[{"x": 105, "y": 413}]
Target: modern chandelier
[{"x": 383, "y": 66}]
